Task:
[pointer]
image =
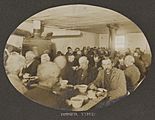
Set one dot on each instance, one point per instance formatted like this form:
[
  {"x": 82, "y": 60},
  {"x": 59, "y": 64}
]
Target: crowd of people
[{"x": 97, "y": 67}]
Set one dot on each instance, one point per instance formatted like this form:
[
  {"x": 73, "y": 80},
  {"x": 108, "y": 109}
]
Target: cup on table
[
  {"x": 76, "y": 102},
  {"x": 82, "y": 88},
  {"x": 101, "y": 92},
  {"x": 84, "y": 97},
  {"x": 26, "y": 76},
  {"x": 91, "y": 94},
  {"x": 63, "y": 83}
]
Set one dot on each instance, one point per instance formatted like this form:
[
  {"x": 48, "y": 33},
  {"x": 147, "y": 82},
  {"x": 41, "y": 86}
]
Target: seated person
[
  {"x": 45, "y": 58},
  {"x": 96, "y": 62},
  {"x": 84, "y": 51},
  {"x": 146, "y": 58},
  {"x": 132, "y": 73},
  {"x": 140, "y": 64},
  {"x": 77, "y": 54},
  {"x": 84, "y": 74},
  {"x": 61, "y": 63},
  {"x": 69, "y": 51},
  {"x": 69, "y": 69},
  {"x": 14, "y": 64},
  {"x": 44, "y": 94},
  {"x": 112, "y": 79},
  {"x": 31, "y": 64},
  {"x": 138, "y": 51},
  {"x": 59, "y": 53},
  {"x": 120, "y": 63}
]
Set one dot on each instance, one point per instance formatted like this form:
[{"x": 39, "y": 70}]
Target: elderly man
[
  {"x": 84, "y": 74},
  {"x": 45, "y": 58},
  {"x": 14, "y": 64},
  {"x": 132, "y": 73},
  {"x": 31, "y": 64},
  {"x": 61, "y": 63},
  {"x": 112, "y": 79},
  {"x": 44, "y": 94}
]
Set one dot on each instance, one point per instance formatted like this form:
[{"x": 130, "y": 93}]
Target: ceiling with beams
[{"x": 83, "y": 17}]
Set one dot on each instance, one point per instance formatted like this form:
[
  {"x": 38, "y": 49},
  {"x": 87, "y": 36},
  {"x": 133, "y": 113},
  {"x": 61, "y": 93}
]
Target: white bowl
[
  {"x": 91, "y": 94},
  {"x": 101, "y": 89},
  {"x": 64, "y": 82},
  {"x": 76, "y": 102},
  {"x": 82, "y": 88},
  {"x": 84, "y": 97}
]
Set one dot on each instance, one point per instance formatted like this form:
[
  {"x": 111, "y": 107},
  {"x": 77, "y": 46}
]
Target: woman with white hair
[
  {"x": 132, "y": 73},
  {"x": 14, "y": 64}
]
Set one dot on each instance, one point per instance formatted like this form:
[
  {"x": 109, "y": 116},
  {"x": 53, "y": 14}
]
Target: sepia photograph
[{"x": 77, "y": 57}]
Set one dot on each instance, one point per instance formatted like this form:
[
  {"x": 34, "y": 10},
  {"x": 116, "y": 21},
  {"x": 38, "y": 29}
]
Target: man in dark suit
[
  {"x": 139, "y": 62},
  {"x": 44, "y": 93},
  {"x": 68, "y": 72},
  {"x": 31, "y": 64},
  {"x": 84, "y": 74}
]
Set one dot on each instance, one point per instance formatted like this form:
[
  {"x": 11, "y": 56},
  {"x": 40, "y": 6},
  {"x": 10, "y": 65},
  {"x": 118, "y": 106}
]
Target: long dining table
[
  {"x": 71, "y": 92},
  {"x": 91, "y": 103}
]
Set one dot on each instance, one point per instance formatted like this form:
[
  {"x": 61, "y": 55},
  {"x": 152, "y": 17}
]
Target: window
[{"x": 120, "y": 42}]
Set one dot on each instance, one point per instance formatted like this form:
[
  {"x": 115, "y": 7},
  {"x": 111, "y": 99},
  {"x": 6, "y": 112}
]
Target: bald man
[
  {"x": 14, "y": 64},
  {"x": 48, "y": 75},
  {"x": 132, "y": 73},
  {"x": 60, "y": 61},
  {"x": 45, "y": 58},
  {"x": 112, "y": 79}
]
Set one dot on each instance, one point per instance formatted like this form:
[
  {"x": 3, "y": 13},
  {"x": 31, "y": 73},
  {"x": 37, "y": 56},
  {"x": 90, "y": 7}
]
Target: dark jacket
[
  {"x": 46, "y": 97},
  {"x": 32, "y": 68},
  {"x": 141, "y": 66},
  {"x": 85, "y": 77},
  {"x": 67, "y": 73},
  {"x": 132, "y": 74}
]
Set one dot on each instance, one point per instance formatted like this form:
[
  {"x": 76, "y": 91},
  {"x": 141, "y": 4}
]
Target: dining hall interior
[{"x": 88, "y": 57}]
